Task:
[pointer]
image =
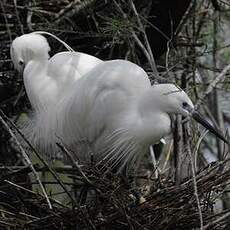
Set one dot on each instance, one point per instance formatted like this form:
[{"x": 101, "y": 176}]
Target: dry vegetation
[{"x": 184, "y": 192}]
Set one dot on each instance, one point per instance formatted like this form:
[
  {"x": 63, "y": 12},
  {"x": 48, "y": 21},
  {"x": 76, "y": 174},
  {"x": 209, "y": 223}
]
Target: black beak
[{"x": 208, "y": 126}]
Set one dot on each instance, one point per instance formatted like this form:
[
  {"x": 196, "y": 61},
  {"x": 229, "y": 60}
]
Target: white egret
[
  {"x": 113, "y": 110},
  {"x": 119, "y": 114},
  {"x": 47, "y": 79}
]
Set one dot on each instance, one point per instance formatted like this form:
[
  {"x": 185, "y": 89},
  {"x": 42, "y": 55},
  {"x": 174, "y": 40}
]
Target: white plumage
[
  {"x": 118, "y": 113},
  {"x": 106, "y": 108},
  {"x": 47, "y": 79}
]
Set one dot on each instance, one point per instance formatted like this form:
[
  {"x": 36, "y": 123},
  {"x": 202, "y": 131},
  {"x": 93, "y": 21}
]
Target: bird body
[
  {"x": 45, "y": 78},
  {"x": 115, "y": 111}
]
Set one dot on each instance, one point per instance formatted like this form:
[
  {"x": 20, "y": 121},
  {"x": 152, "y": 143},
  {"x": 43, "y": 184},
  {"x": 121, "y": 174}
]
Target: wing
[
  {"x": 80, "y": 62},
  {"x": 68, "y": 67},
  {"x": 97, "y": 100}
]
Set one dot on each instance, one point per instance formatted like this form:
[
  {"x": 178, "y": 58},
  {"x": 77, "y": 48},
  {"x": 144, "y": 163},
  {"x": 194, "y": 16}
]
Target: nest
[{"x": 167, "y": 206}]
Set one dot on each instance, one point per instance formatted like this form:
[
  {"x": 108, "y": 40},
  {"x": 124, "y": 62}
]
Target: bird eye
[
  {"x": 184, "y": 104},
  {"x": 21, "y": 62}
]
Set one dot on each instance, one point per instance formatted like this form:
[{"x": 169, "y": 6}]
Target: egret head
[
  {"x": 28, "y": 47},
  {"x": 174, "y": 100}
]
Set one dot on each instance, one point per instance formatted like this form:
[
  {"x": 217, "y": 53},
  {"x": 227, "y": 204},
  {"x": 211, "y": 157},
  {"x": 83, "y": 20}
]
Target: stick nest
[{"x": 167, "y": 206}]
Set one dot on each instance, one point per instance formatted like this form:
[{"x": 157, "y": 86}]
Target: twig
[
  {"x": 178, "y": 148},
  {"x": 211, "y": 86},
  {"x": 168, "y": 155},
  {"x": 77, "y": 166},
  {"x": 216, "y": 221},
  {"x": 149, "y": 50},
  {"x": 33, "y": 193},
  {"x": 194, "y": 178},
  {"x": 216, "y": 5},
  {"x": 29, "y": 17},
  {"x": 39, "y": 157},
  {"x": 67, "y": 8},
  {"x": 154, "y": 161},
  {"x": 71, "y": 9},
  {"x": 27, "y": 159},
  {"x": 195, "y": 153},
  {"x": 75, "y": 163},
  {"x": 18, "y": 18},
  {"x": 6, "y": 21}
]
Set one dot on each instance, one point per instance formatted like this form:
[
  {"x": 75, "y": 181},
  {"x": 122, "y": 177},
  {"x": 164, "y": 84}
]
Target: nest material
[{"x": 167, "y": 206}]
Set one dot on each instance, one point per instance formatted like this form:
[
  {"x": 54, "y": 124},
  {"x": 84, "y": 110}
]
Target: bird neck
[
  {"x": 151, "y": 127},
  {"x": 39, "y": 56},
  {"x": 36, "y": 66},
  {"x": 153, "y": 122},
  {"x": 149, "y": 102},
  {"x": 33, "y": 75}
]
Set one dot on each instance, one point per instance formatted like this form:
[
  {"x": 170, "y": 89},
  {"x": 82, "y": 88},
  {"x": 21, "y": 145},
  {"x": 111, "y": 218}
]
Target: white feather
[
  {"x": 46, "y": 80},
  {"x": 114, "y": 112}
]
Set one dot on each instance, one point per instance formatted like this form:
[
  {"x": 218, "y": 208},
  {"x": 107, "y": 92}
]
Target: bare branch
[{"x": 211, "y": 86}]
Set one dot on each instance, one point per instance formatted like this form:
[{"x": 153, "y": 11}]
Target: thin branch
[
  {"x": 196, "y": 149},
  {"x": 29, "y": 17},
  {"x": 178, "y": 148},
  {"x": 34, "y": 193},
  {"x": 207, "y": 226},
  {"x": 75, "y": 163},
  {"x": 6, "y": 21},
  {"x": 212, "y": 85},
  {"x": 18, "y": 18},
  {"x": 149, "y": 50},
  {"x": 39, "y": 157},
  {"x": 71, "y": 9},
  {"x": 27, "y": 159},
  {"x": 187, "y": 140}
]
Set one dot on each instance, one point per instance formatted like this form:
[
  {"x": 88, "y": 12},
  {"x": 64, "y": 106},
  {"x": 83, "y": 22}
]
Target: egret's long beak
[{"x": 208, "y": 126}]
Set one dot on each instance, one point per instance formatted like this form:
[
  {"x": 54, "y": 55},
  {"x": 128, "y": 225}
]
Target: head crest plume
[
  {"x": 58, "y": 39},
  {"x": 24, "y": 47}
]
